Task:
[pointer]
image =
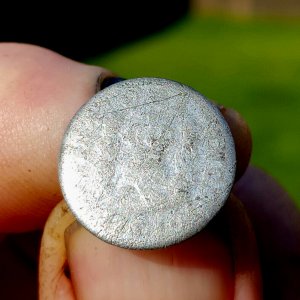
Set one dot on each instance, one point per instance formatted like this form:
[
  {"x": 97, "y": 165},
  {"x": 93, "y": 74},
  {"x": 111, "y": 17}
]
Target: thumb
[{"x": 220, "y": 262}]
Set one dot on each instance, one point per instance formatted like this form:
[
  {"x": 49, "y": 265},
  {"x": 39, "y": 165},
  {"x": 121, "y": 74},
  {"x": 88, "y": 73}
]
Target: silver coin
[{"x": 146, "y": 163}]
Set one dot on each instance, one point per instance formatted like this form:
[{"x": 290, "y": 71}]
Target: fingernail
[
  {"x": 103, "y": 83},
  {"x": 69, "y": 231}
]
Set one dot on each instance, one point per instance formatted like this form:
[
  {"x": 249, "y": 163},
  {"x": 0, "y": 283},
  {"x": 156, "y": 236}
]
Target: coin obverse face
[{"x": 146, "y": 163}]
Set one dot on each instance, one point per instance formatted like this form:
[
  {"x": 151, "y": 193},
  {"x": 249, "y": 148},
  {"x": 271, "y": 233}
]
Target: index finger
[{"x": 39, "y": 93}]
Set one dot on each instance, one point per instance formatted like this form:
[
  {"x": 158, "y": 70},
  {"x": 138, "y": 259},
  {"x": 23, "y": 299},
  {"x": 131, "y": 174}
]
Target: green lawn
[{"x": 252, "y": 66}]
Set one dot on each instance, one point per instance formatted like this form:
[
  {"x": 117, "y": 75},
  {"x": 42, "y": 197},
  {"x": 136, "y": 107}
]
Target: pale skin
[{"x": 40, "y": 91}]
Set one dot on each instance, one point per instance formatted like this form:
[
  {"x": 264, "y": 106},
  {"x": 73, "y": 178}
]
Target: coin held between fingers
[{"x": 147, "y": 163}]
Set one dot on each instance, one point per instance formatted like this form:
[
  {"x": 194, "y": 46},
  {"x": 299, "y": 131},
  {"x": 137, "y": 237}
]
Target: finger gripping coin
[{"x": 146, "y": 163}]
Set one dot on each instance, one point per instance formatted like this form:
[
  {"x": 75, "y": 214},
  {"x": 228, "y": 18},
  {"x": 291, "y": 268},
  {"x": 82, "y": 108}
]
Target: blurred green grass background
[{"x": 251, "y": 65}]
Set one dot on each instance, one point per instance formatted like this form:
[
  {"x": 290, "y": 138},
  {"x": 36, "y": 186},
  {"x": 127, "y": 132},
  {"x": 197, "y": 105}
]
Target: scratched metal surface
[{"x": 146, "y": 163}]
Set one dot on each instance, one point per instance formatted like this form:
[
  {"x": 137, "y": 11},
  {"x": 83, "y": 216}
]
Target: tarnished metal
[{"x": 146, "y": 163}]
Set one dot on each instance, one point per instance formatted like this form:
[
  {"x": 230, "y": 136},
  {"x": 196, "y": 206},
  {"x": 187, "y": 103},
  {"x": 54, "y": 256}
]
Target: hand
[{"x": 40, "y": 91}]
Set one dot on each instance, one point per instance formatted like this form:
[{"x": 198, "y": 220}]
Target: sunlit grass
[{"x": 253, "y": 66}]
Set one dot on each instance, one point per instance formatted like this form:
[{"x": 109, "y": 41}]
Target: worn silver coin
[{"x": 146, "y": 163}]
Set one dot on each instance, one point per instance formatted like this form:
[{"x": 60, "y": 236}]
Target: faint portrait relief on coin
[{"x": 146, "y": 163}]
